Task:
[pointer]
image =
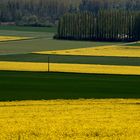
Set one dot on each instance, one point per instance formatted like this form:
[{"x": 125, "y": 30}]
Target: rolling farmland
[
  {"x": 67, "y": 56},
  {"x": 88, "y": 56},
  {"x": 88, "y": 90},
  {"x": 69, "y": 70}
]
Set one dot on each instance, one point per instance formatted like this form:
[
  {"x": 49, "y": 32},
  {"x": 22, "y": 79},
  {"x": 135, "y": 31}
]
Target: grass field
[
  {"x": 29, "y": 29},
  {"x": 70, "y": 120},
  {"x": 134, "y": 44},
  {"x": 32, "y": 85}
]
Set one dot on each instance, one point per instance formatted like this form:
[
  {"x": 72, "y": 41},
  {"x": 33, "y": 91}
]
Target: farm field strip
[
  {"x": 26, "y": 34},
  {"x": 75, "y": 68},
  {"x": 12, "y": 38},
  {"x": 93, "y": 119},
  {"x": 40, "y": 85},
  {"x": 113, "y": 50},
  {"x": 134, "y": 44},
  {"x": 40, "y": 58}
]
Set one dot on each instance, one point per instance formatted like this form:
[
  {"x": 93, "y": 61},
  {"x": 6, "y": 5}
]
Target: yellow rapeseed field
[
  {"x": 12, "y": 38},
  {"x": 23, "y": 66},
  {"x": 118, "y": 51},
  {"x": 105, "y": 119},
  {"x": 76, "y": 68}
]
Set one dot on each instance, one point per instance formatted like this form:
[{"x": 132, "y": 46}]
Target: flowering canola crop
[
  {"x": 104, "y": 119},
  {"x": 12, "y": 38},
  {"x": 114, "y": 50},
  {"x": 76, "y": 68}
]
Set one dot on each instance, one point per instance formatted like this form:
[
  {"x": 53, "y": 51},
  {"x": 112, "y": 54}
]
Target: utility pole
[{"x": 48, "y": 63}]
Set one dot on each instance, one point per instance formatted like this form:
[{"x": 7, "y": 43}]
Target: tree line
[
  {"x": 106, "y": 25},
  {"x": 48, "y": 12}
]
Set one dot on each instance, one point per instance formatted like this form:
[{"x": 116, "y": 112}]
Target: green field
[
  {"x": 71, "y": 59},
  {"x": 134, "y": 44},
  {"x": 30, "y": 85},
  {"x": 29, "y": 29}
]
